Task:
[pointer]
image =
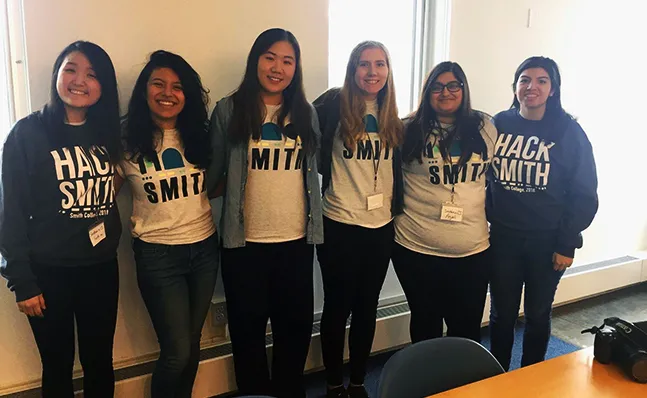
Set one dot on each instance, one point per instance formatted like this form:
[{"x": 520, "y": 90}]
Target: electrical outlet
[{"x": 219, "y": 313}]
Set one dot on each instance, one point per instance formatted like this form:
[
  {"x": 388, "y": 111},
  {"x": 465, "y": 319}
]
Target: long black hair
[
  {"x": 424, "y": 121},
  {"x": 103, "y": 117},
  {"x": 247, "y": 117},
  {"x": 192, "y": 123},
  {"x": 556, "y": 119}
]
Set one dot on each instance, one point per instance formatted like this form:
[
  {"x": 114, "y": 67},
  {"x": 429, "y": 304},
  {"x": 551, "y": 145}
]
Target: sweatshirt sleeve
[
  {"x": 582, "y": 197},
  {"x": 14, "y": 218},
  {"x": 324, "y": 105},
  {"x": 320, "y": 107}
]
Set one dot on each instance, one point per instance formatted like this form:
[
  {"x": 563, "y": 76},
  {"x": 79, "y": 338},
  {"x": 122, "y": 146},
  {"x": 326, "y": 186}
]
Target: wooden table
[{"x": 575, "y": 375}]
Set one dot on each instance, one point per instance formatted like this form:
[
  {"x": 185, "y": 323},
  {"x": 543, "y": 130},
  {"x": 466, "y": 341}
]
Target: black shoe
[
  {"x": 337, "y": 392},
  {"x": 357, "y": 392}
]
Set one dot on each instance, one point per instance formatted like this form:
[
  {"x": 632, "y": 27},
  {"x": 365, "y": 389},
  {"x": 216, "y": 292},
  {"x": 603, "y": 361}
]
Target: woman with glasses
[{"x": 442, "y": 240}]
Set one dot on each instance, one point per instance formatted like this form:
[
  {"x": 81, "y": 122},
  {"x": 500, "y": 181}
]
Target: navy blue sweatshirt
[
  {"x": 543, "y": 180},
  {"x": 53, "y": 187}
]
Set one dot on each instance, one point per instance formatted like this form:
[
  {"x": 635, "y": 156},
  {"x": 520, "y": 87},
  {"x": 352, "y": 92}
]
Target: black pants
[
  {"x": 275, "y": 281},
  {"x": 177, "y": 283},
  {"x": 88, "y": 294},
  {"x": 519, "y": 260},
  {"x": 354, "y": 261},
  {"x": 441, "y": 288}
]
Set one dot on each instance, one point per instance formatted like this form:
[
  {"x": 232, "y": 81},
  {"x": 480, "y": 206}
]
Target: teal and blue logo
[{"x": 175, "y": 178}]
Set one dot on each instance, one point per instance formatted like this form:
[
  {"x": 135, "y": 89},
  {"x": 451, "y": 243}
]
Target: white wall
[
  {"x": 215, "y": 37},
  {"x": 599, "y": 47}
]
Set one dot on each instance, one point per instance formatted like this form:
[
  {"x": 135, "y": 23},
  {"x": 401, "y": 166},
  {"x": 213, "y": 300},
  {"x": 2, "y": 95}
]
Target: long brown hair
[{"x": 353, "y": 106}]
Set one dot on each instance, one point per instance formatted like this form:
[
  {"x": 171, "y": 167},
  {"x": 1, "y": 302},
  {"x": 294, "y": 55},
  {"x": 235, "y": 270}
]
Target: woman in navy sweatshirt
[
  {"x": 59, "y": 224},
  {"x": 541, "y": 195}
]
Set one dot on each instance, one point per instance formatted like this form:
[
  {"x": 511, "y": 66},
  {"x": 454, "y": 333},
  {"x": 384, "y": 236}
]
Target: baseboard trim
[{"x": 216, "y": 371}]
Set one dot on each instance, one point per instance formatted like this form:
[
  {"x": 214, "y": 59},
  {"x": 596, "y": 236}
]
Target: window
[
  {"x": 405, "y": 27},
  {"x": 6, "y": 113},
  {"x": 14, "y": 102}
]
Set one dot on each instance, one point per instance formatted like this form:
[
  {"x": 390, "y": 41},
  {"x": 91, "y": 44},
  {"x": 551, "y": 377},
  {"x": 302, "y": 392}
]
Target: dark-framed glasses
[{"x": 452, "y": 87}]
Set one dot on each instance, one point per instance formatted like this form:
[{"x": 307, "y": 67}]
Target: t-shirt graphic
[
  {"x": 449, "y": 172},
  {"x": 174, "y": 180},
  {"x": 170, "y": 204},
  {"x": 273, "y": 152},
  {"x": 522, "y": 163},
  {"x": 85, "y": 178},
  {"x": 275, "y": 199},
  {"x": 370, "y": 145}
]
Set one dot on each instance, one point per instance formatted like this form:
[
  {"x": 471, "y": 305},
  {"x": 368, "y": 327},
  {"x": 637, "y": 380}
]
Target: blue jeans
[
  {"x": 177, "y": 283},
  {"x": 519, "y": 260}
]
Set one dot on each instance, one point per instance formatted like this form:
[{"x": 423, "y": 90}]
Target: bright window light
[{"x": 387, "y": 21}]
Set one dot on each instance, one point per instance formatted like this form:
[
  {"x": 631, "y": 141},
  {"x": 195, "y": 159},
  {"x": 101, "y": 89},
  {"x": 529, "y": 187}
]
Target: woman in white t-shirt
[
  {"x": 265, "y": 137},
  {"x": 442, "y": 240},
  {"x": 360, "y": 166},
  {"x": 175, "y": 240}
]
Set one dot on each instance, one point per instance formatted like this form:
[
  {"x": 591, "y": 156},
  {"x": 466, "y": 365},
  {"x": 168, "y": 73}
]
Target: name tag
[
  {"x": 374, "y": 201},
  {"x": 451, "y": 212},
  {"x": 97, "y": 232}
]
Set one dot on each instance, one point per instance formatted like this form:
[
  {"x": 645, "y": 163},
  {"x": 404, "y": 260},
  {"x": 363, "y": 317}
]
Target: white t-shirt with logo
[
  {"x": 275, "y": 200},
  {"x": 428, "y": 185},
  {"x": 352, "y": 179},
  {"x": 170, "y": 203}
]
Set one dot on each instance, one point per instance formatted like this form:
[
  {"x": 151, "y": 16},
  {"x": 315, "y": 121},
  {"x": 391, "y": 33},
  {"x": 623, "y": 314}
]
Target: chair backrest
[
  {"x": 254, "y": 396},
  {"x": 436, "y": 365}
]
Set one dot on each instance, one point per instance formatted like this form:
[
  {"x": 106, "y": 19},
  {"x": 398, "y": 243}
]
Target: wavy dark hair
[
  {"x": 248, "y": 112},
  {"x": 556, "y": 119},
  {"x": 192, "y": 123},
  {"x": 102, "y": 117},
  {"x": 424, "y": 121}
]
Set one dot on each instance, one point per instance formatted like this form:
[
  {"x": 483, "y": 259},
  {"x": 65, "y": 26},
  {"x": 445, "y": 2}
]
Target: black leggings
[
  {"x": 354, "y": 261},
  {"x": 88, "y": 295},
  {"x": 270, "y": 280},
  {"x": 442, "y": 288}
]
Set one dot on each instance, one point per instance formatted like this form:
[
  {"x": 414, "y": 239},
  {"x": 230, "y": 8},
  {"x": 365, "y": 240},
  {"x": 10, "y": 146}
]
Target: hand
[
  {"x": 33, "y": 306},
  {"x": 560, "y": 263}
]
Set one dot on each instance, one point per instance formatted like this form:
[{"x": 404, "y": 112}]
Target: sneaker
[
  {"x": 337, "y": 392},
  {"x": 357, "y": 392}
]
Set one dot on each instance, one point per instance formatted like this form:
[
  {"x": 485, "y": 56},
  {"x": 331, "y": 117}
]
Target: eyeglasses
[{"x": 452, "y": 87}]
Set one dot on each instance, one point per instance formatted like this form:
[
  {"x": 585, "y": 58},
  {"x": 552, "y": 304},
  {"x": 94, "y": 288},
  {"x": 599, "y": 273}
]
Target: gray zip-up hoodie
[{"x": 231, "y": 161}]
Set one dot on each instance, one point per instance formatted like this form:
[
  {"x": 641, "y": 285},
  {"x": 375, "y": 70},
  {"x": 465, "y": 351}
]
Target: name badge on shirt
[
  {"x": 374, "y": 201},
  {"x": 97, "y": 232},
  {"x": 451, "y": 212}
]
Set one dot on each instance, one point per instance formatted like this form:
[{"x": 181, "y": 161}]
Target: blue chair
[{"x": 433, "y": 366}]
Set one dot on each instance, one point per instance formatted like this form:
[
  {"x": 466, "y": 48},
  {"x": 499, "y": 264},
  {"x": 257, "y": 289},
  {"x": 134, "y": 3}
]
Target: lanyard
[
  {"x": 375, "y": 159},
  {"x": 437, "y": 139}
]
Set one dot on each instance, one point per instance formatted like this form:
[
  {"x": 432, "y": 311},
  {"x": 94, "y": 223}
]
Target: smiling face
[
  {"x": 165, "y": 97},
  {"x": 372, "y": 72},
  {"x": 276, "y": 69},
  {"x": 533, "y": 88},
  {"x": 76, "y": 83},
  {"x": 446, "y": 95}
]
